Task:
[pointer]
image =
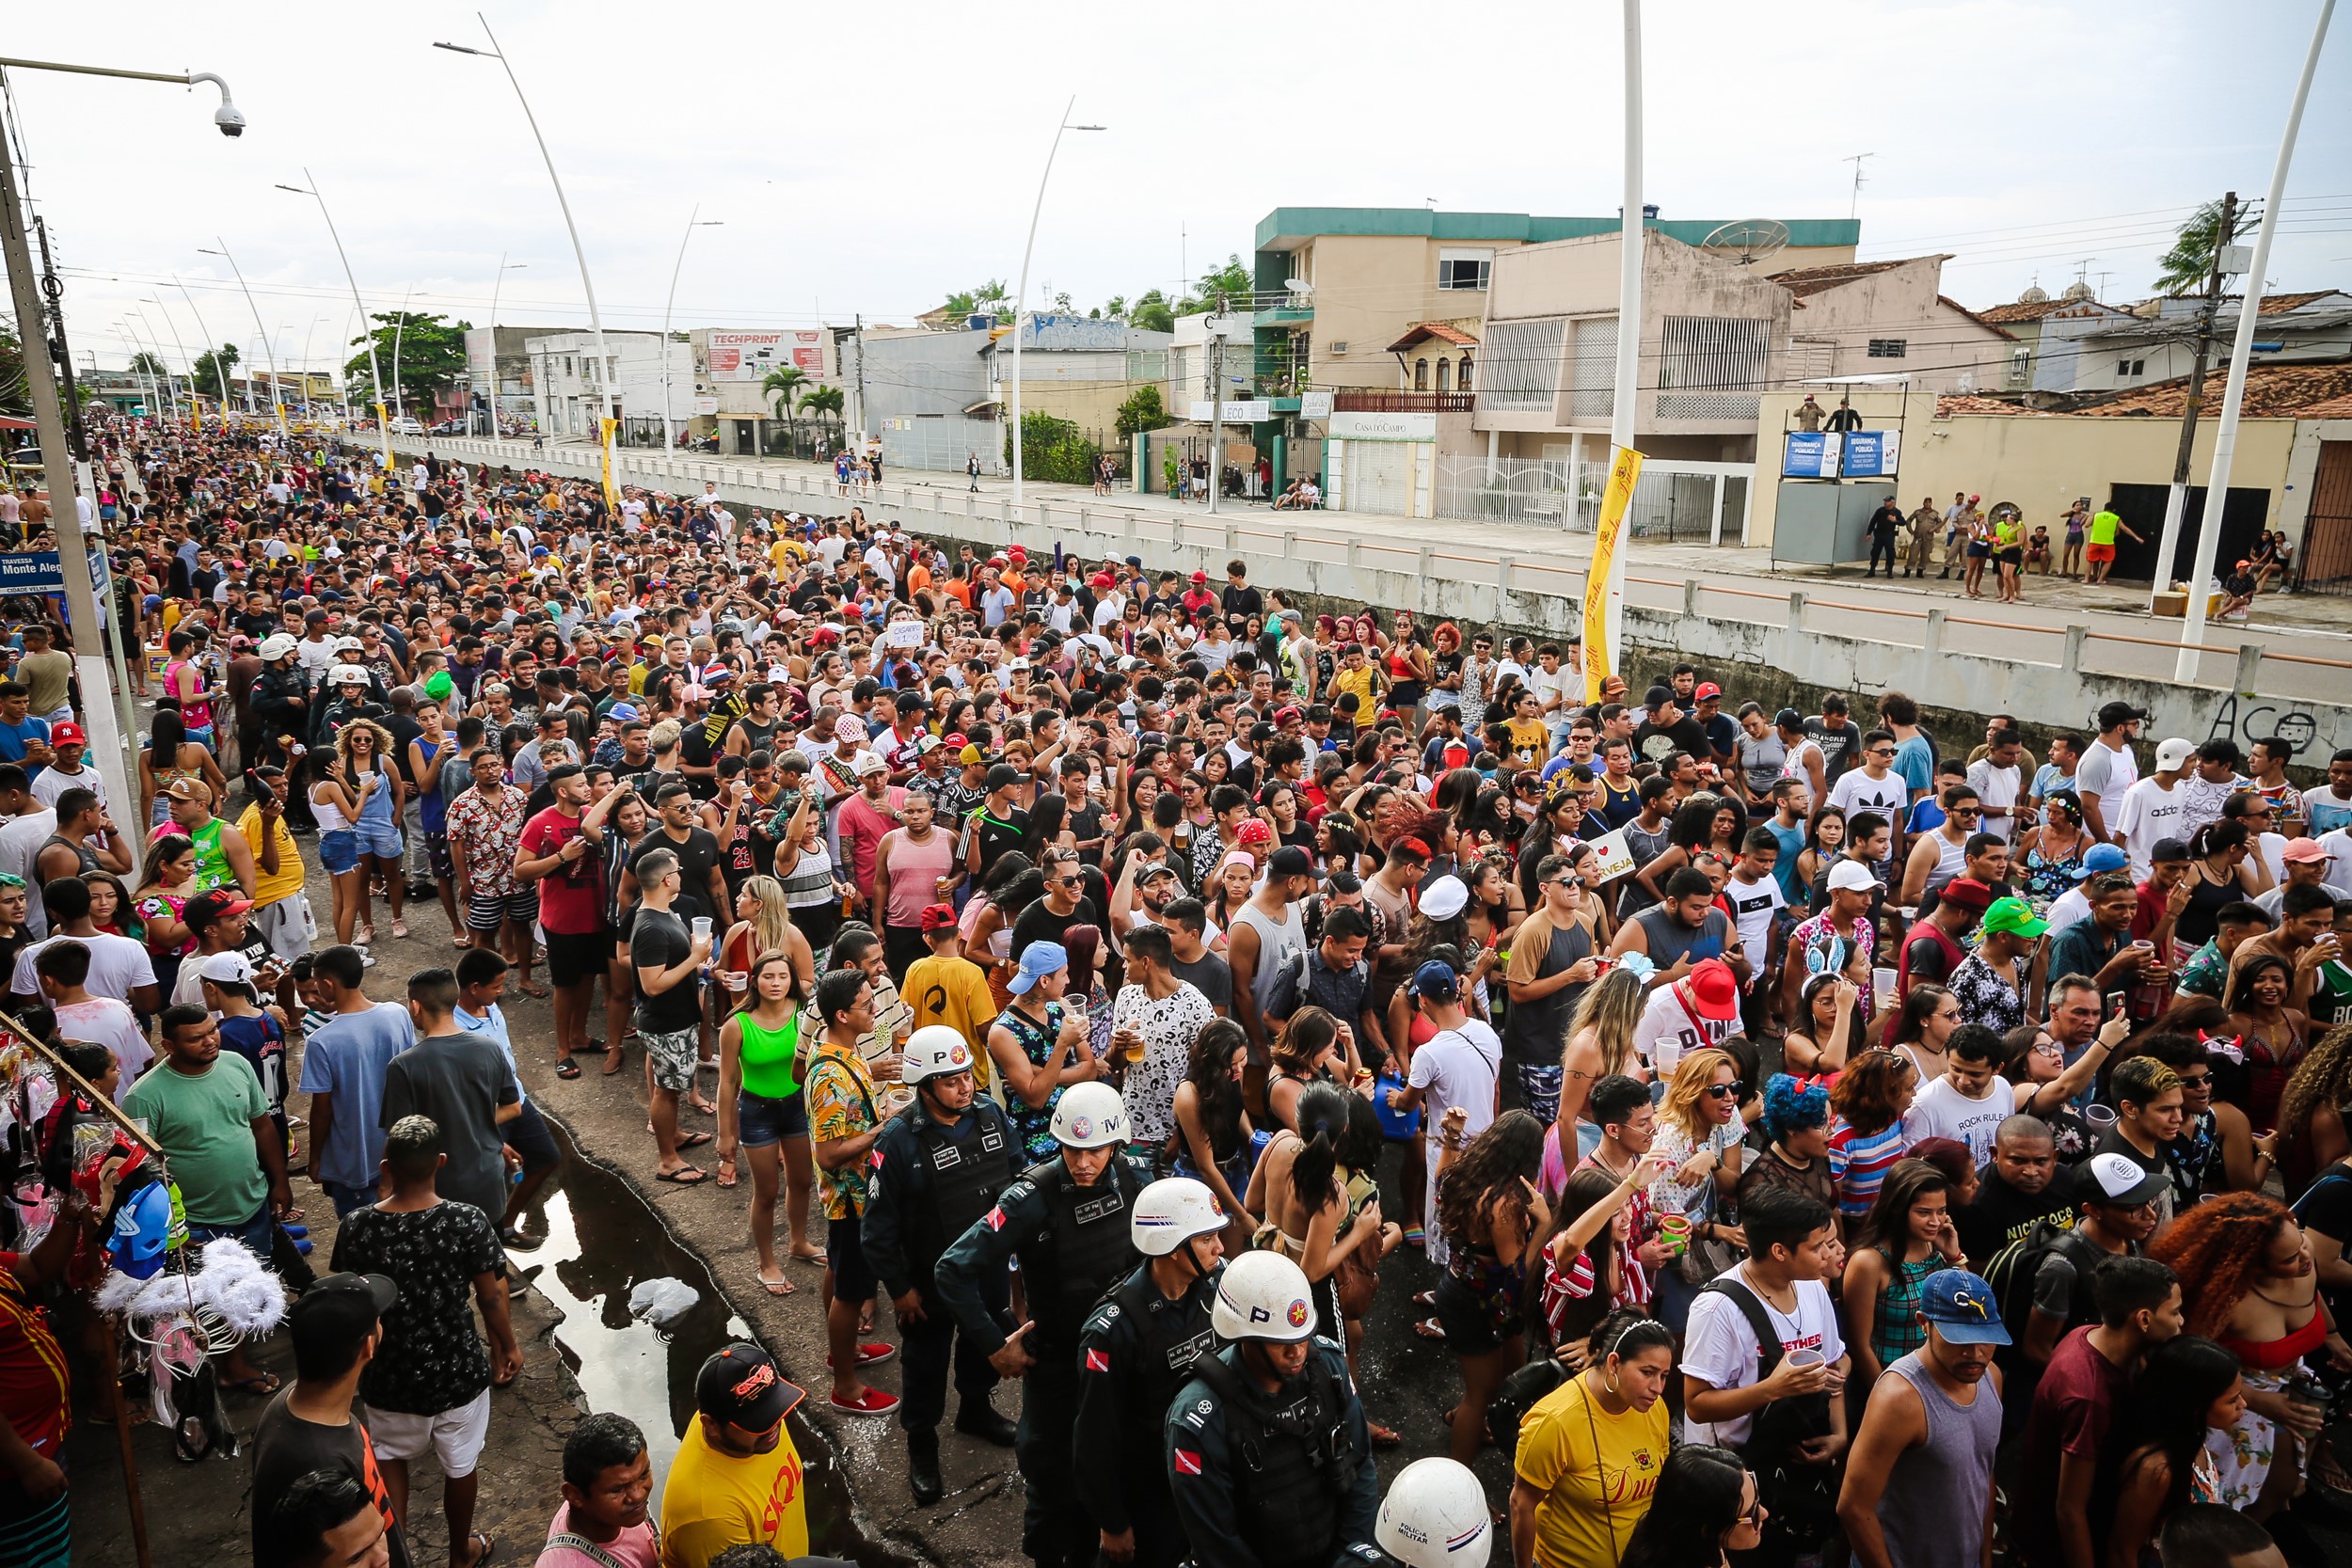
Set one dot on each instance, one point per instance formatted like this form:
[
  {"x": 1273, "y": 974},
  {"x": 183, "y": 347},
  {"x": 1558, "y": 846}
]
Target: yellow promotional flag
[
  {"x": 612, "y": 491},
  {"x": 1599, "y": 658}
]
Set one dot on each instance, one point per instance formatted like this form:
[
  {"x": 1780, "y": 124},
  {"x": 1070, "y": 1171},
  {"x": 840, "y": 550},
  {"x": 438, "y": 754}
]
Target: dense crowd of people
[{"x": 1821, "y": 1139}]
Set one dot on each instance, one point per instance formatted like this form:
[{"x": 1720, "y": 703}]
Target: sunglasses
[{"x": 1724, "y": 1091}]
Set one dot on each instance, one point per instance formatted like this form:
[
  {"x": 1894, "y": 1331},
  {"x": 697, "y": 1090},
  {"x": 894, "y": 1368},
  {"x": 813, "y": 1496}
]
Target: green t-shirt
[
  {"x": 2331, "y": 1001},
  {"x": 2102, "y": 527},
  {"x": 205, "y": 1125}
]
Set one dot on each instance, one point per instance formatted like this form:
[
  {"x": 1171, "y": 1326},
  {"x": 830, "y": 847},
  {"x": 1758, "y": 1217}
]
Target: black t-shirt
[
  {"x": 431, "y": 1357},
  {"x": 696, "y": 857},
  {"x": 1653, "y": 742},
  {"x": 2002, "y": 1215},
  {"x": 1211, "y": 975},
  {"x": 2325, "y": 1207},
  {"x": 286, "y": 1448},
  {"x": 997, "y": 836},
  {"x": 657, "y": 941},
  {"x": 1040, "y": 923},
  {"x": 1241, "y": 602},
  {"x": 1839, "y": 747}
]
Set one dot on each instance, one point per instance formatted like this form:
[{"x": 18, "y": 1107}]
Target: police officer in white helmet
[
  {"x": 1269, "y": 1457},
  {"x": 943, "y": 1163},
  {"x": 1067, "y": 1221},
  {"x": 1138, "y": 1350},
  {"x": 1434, "y": 1516}
]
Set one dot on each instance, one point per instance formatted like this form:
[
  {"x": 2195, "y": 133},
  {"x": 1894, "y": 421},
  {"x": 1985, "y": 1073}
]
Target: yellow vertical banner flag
[
  {"x": 1599, "y": 657},
  {"x": 612, "y": 491}
]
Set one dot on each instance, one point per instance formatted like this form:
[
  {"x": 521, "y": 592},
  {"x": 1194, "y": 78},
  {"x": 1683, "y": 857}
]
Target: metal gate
[{"x": 2327, "y": 566}]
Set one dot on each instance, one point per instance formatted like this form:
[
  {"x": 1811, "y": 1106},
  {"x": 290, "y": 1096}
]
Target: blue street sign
[{"x": 40, "y": 571}]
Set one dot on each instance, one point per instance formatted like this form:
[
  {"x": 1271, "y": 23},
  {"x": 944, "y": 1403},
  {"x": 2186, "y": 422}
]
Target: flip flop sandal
[
  {"x": 539, "y": 992},
  {"x": 773, "y": 1286},
  {"x": 693, "y": 1140},
  {"x": 685, "y": 1176},
  {"x": 568, "y": 1070},
  {"x": 1426, "y": 1300},
  {"x": 489, "y": 1549},
  {"x": 613, "y": 1060},
  {"x": 1384, "y": 1438},
  {"x": 1429, "y": 1328},
  {"x": 727, "y": 1174}
]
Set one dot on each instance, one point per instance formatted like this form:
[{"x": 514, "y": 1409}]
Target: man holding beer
[{"x": 1155, "y": 1019}]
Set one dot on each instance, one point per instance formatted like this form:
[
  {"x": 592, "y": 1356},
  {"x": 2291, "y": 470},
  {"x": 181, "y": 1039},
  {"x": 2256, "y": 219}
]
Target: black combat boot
[
  {"x": 980, "y": 1419},
  {"x": 923, "y": 1467}
]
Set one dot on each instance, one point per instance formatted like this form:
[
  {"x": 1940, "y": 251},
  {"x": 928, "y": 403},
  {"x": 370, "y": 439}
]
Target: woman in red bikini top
[{"x": 2249, "y": 1284}]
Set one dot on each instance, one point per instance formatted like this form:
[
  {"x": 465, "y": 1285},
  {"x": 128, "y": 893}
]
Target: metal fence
[
  {"x": 1673, "y": 503},
  {"x": 942, "y": 443}
]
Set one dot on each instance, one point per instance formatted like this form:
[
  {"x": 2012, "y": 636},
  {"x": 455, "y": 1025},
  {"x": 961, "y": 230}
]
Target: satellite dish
[
  {"x": 1749, "y": 241},
  {"x": 1298, "y": 286}
]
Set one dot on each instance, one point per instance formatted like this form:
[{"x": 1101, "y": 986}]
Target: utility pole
[
  {"x": 2176, "y": 500},
  {"x": 858, "y": 322},
  {"x": 1217, "y": 328},
  {"x": 53, "y": 293}
]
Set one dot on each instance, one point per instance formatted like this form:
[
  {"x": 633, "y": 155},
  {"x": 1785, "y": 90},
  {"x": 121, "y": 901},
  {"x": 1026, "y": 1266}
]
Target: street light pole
[
  {"x": 400, "y": 326},
  {"x": 111, "y": 752},
  {"x": 2233, "y": 396},
  {"x": 694, "y": 221},
  {"x": 1021, "y": 300},
  {"x": 383, "y": 420},
  {"x": 196, "y": 393},
  {"x": 497, "y": 283},
  {"x": 303, "y": 370},
  {"x": 606, "y": 369},
  {"x": 277, "y": 392},
  {"x": 220, "y": 372}
]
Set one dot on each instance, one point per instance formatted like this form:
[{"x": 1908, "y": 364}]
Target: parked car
[
  {"x": 449, "y": 427},
  {"x": 406, "y": 425}
]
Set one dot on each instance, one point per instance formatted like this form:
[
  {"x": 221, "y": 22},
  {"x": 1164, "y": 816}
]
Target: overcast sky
[{"x": 871, "y": 158}]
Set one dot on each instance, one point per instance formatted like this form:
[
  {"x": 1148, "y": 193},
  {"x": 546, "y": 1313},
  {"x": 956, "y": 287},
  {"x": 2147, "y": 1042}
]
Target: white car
[{"x": 407, "y": 426}]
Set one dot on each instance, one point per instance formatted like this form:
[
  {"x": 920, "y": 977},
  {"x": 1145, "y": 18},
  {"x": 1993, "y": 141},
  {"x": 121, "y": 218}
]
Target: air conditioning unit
[{"x": 1339, "y": 348}]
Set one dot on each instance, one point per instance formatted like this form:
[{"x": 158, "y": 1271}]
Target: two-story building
[{"x": 569, "y": 382}]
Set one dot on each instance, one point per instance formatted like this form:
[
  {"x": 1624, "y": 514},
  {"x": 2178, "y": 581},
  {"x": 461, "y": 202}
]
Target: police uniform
[
  {"x": 1137, "y": 1353},
  {"x": 1073, "y": 1244},
  {"x": 1278, "y": 1481},
  {"x": 931, "y": 1183}
]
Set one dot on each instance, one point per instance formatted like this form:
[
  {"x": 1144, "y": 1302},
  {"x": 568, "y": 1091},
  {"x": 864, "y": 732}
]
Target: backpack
[
  {"x": 1800, "y": 1499},
  {"x": 2011, "y": 1274}
]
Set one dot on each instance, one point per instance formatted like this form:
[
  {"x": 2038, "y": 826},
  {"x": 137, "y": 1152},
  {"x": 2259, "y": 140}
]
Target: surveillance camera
[{"x": 230, "y": 119}]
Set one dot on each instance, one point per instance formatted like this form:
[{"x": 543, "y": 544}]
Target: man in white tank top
[{"x": 1267, "y": 943}]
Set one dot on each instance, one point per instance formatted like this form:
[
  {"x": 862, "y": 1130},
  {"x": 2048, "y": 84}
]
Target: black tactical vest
[
  {"x": 1292, "y": 1459},
  {"x": 1170, "y": 1336},
  {"x": 1088, "y": 1247},
  {"x": 963, "y": 1178}
]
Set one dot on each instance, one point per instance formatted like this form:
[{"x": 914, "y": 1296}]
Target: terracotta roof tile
[
  {"x": 1443, "y": 332},
  {"x": 1949, "y": 404},
  {"x": 2272, "y": 303},
  {"x": 1802, "y": 281},
  {"x": 2272, "y": 391},
  {"x": 2333, "y": 408},
  {"x": 1949, "y": 301}
]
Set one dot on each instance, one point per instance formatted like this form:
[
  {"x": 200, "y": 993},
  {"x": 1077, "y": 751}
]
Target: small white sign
[
  {"x": 1251, "y": 412},
  {"x": 1613, "y": 857},
  {"x": 1314, "y": 406},
  {"x": 1352, "y": 426},
  {"x": 903, "y": 634}
]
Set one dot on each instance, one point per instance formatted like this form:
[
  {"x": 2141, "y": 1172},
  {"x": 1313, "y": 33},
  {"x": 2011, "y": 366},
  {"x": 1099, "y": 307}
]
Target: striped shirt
[{"x": 1859, "y": 1162}]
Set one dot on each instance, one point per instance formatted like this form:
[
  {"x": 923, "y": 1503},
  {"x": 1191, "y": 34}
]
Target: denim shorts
[
  {"x": 379, "y": 838},
  {"x": 761, "y": 1121},
  {"x": 258, "y": 1233},
  {"x": 338, "y": 850}
]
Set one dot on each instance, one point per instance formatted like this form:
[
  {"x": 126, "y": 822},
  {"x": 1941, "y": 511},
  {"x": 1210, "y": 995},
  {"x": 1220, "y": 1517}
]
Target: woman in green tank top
[{"x": 760, "y": 1109}]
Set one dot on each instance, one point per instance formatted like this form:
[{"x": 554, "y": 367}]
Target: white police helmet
[
  {"x": 1171, "y": 1211},
  {"x": 1090, "y": 1116},
  {"x": 1262, "y": 1296},
  {"x": 1434, "y": 1516},
  {"x": 935, "y": 1050}
]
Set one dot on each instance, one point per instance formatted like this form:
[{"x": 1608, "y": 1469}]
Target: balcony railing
[{"x": 1365, "y": 402}]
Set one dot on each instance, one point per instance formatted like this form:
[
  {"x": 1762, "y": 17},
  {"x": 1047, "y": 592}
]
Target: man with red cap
[{"x": 1699, "y": 1010}]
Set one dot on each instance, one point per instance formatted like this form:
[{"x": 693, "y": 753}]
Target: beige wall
[
  {"x": 2040, "y": 461},
  {"x": 1370, "y": 288},
  {"x": 1946, "y": 349}
]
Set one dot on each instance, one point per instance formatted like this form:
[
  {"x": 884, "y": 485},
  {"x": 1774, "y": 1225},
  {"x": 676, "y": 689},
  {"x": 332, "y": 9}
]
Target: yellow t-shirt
[
  {"x": 270, "y": 888},
  {"x": 1593, "y": 1501},
  {"x": 714, "y": 1500},
  {"x": 1359, "y": 682},
  {"x": 953, "y": 991},
  {"x": 1529, "y": 740}
]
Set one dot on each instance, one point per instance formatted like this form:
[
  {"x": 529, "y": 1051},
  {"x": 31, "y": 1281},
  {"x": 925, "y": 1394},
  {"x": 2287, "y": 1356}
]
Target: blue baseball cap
[
  {"x": 1436, "y": 981},
  {"x": 1961, "y": 1307},
  {"x": 2103, "y": 857},
  {"x": 622, "y": 713},
  {"x": 1038, "y": 960}
]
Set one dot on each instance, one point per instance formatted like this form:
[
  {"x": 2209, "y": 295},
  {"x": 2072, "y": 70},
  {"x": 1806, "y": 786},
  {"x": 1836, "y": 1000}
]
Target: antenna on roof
[
  {"x": 1855, "y": 206},
  {"x": 1748, "y": 241}
]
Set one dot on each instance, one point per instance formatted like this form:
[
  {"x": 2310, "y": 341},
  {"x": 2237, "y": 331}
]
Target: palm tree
[
  {"x": 2190, "y": 264},
  {"x": 822, "y": 401},
  {"x": 780, "y": 384}
]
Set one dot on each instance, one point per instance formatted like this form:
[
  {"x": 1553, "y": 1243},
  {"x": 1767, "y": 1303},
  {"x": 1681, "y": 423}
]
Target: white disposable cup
[
  {"x": 702, "y": 928},
  {"x": 2100, "y": 1117},
  {"x": 1883, "y": 985},
  {"x": 1807, "y": 1357}
]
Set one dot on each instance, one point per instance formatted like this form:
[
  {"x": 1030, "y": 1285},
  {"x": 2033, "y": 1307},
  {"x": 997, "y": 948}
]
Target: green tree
[
  {"x": 1053, "y": 449},
  {"x": 989, "y": 296},
  {"x": 1114, "y": 308},
  {"x": 207, "y": 379},
  {"x": 1152, "y": 312},
  {"x": 2188, "y": 264},
  {"x": 144, "y": 363},
  {"x": 823, "y": 402},
  {"x": 1143, "y": 410},
  {"x": 1231, "y": 281},
  {"x": 432, "y": 355},
  {"x": 781, "y": 386},
  {"x": 16, "y": 398}
]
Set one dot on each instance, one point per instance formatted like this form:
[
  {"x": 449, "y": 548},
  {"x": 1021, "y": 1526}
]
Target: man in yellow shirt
[
  {"x": 281, "y": 911},
  {"x": 945, "y": 986},
  {"x": 737, "y": 1477}
]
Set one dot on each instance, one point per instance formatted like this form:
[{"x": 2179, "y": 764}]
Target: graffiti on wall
[{"x": 2259, "y": 719}]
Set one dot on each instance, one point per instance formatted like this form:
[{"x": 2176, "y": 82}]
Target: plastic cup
[
  {"x": 702, "y": 928},
  {"x": 2100, "y": 1117},
  {"x": 1674, "y": 1230},
  {"x": 1805, "y": 1357},
  {"x": 1883, "y": 987}
]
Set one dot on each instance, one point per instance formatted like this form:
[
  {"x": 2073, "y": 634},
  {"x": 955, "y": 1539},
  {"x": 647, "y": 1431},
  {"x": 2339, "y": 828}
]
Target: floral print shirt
[
  {"x": 489, "y": 829},
  {"x": 840, "y": 1093}
]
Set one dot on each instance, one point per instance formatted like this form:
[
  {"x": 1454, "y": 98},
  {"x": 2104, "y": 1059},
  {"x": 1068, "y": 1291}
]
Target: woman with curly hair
[
  {"x": 2159, "y": 1456},
  {"x": 1213, "y": 1131},
  {"x": 2252, "y": 1284},
  {"x": 364, "y": 749},
  {"x": 2272, "y": 1034},
  {"x": 1867, "y": 1136},
  {"x": 2312, "y": 1135},
  {"x": 1490, "y": 1213}
]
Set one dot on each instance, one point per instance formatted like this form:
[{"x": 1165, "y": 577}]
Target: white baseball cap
[
  {"x": 2171, "y": 755},
  {"x": 1851, "y": 876}
]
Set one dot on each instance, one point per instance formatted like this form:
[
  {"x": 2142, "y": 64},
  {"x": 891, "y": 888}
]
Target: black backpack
[
  {"x": 2012, "y": 1275},
  {"x": 1801, "y": 1498}
]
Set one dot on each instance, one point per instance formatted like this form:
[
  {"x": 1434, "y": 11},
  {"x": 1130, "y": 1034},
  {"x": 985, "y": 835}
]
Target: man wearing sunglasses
[{"x": 1940, "y": 854}]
